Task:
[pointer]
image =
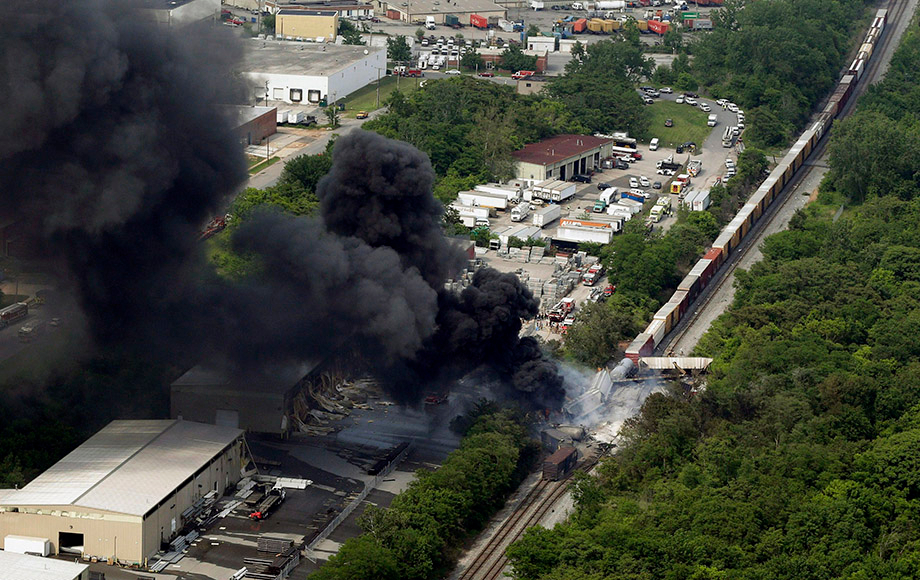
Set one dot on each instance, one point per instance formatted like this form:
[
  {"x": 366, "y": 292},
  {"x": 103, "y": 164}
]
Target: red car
[
  {"x": 487, "y": 74},
  {"x": 636, "y": 155}
]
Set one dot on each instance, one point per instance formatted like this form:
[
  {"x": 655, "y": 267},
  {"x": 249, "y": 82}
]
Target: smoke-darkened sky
[{"x": 117, "y": 151}]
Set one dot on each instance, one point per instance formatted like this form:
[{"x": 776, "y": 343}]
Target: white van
[
  {"x": 712, "y": 120},
  {"x": 653, "y": 144}
]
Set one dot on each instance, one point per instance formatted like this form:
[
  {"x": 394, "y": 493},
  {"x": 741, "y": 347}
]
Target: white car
[
  {"x": 653, "y": 144},
  {"x": 679, "y": 100},
  {"x": 633, "y": 182},
  {"x": 690, "y": 101},
  {"x": 666, "y": 90},
  {"x": 452, "y": 72},
  {"x": 627, "y": 158},
  {"x": 482, "y": 222},
  {"x": 644, "y": 182},
  {"x": 733, "y": 107},
  {"x": 705, "y": 108},
  {"x": 729, "y": 162},
  {"x": 666, "y": 172},
  {"x": 722, "y": 102}
]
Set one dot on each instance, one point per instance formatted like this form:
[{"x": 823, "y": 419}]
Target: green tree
[
  {"x": 268, "y": 23},
  {"x": 332, "y": 115},
  {"x": 533, "y": 30},
  {"x": 514, "y": 59},
  {"x": 349, "y": 33},
  {"x": 593, "y": 338},
  {"x": 359, "y": 558},
  {"x": 673, "y": 39},
  {"x": 472, "y": 61},
  {"x": 419, "y": 34},
  {"x": 398, "y": 49}
]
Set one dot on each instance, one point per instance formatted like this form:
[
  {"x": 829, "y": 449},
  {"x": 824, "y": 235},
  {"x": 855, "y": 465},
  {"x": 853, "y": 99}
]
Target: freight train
[{"x": 669, "y": 315}]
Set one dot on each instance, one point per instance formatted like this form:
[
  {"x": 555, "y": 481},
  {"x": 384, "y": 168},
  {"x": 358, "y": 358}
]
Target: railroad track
[
  {"x": 816, "y": 161},
  {"x": 490, "y": 562}
]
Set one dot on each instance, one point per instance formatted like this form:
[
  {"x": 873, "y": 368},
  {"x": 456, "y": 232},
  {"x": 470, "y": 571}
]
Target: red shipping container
[
  {"x": 580, "y": 26},
  {"x": 479, "y": 21},
  {"x": 393, "y": 14},
  {"x": 714, "y": 254},
  {"x": 657, "y": 27}
]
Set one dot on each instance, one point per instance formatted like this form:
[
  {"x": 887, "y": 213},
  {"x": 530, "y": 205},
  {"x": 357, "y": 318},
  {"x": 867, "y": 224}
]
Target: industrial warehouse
[
  {"x": 310, "y": 73},
  {"x": 561, "y": 157},
  {"x": 126, "y": 490}
]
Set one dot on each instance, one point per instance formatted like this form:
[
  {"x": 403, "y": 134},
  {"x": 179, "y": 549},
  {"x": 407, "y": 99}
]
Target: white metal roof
[
  {"x": 664, "y": 363},
  {"x": 22, "y": 567},
  {"x": 127, "y": 467}
]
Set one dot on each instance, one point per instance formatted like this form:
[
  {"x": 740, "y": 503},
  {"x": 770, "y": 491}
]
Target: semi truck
[
  {"x": 520, "y": 212},
  {"x": 429, "y": 23},
  {"x": 269, "y": 503},
  {"x": 544, "y": 216}
]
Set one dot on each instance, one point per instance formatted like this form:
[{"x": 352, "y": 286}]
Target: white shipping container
[
  {"x": 27, "y": 545},
  {"x": 296, "y": 116},
  {"x": 656, "y": 329},
  {"x": 701, "y": 201},
  {"x": 282, "y": 116},
  {"x": 573, "y": 233}
]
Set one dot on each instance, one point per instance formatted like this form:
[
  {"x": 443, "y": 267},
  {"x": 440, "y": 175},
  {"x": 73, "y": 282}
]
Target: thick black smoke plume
[{"x": 118, "y": 153}]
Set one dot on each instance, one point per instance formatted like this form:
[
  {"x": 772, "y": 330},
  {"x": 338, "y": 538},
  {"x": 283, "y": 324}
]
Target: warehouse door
[
  {"x": 70, "y": 543},
  {"x": 226, "y": 418}
]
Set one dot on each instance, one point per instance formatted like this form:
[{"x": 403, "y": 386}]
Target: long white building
[
  {"x": 125, "y": 490},
  {"x": 303, "y": 73}
]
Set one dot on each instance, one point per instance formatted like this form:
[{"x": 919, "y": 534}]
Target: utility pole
[{"x": 378, "y": 88}]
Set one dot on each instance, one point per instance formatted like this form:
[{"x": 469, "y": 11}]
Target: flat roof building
[
  {"x": 317, "y": 25},
  {"x": 263, "y": 403},
  {"x": 561, "y": 157},
  {"x": 416, "y": 11},
  {"x": 182, "y": 12},
  {"x": 126, "y": 490},
  {"x": 308, "y": 73},
  {"x": 23, "y": 567},
  {"x": 253, "y": 124}
]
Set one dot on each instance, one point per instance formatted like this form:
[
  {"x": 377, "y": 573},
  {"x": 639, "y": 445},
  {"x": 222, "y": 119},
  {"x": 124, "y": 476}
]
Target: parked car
[
  {"x": 668, "y": 123},
  {"x": 653, "y": 144},
  {"x": 646, "y": 89},
  {"x": 705, "y": 108},
  {"x": 620, "y": 164},
  {"x": 361, "y": 115},
  {"x": 636, "y": 155},
  {"x": 648, "y": 100},
  {"x": 692, "y": 95},
  {"x": 666, "y": 90},
  {"x": 690, "y": 101},
  {"x": 487, "y": 74},
  {"x": 581, "y": 178},
  {"x": 667, "y": 172},
  {"x": 602, "y": 186},
  {"x": 626, "y": 158},
  {"x": 656, "y": 185},
  {"x": 452, "y": 72},
  {"x": 644, "y": 182},
  {"x": 732, "y": 107},
  {"x": 722, "y": 102},
  {"x": 633, "y": 182},
  {"x": 653, "y": 93},
  {"x": 482, "y": 222},
  {"x": 679, "y": 100}
]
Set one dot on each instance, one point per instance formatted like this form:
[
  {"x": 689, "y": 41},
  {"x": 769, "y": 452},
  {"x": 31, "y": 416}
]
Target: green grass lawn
[
  {"x": 689, "y": 124},
  {"x": 259, "y": 166},
  {"x": 365, "y": 99}
]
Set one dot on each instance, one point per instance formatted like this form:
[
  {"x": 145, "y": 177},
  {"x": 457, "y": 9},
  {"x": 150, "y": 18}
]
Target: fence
[{"x": 369, "y": 487}]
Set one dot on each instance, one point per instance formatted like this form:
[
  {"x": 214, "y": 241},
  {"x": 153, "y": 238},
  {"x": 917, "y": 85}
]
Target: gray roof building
[{"x": 132, "y": 480}]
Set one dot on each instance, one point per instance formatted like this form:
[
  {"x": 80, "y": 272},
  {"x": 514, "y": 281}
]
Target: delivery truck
[{"x": 483, "y": 199}]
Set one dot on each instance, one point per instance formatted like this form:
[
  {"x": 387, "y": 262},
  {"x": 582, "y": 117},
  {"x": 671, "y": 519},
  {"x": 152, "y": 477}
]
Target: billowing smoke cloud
[{"x": 120, "y": 154}]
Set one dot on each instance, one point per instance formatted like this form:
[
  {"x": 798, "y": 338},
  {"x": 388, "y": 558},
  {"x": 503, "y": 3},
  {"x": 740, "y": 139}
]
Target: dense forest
[
  {"x": 799, "y": 458},
  {"x": 775, "y": 59}
]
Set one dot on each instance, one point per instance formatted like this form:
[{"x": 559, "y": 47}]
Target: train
[{"x": 669, "y": 315}]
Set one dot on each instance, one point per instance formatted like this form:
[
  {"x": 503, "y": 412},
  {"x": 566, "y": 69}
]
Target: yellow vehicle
[{"x": 362, "y": 115}]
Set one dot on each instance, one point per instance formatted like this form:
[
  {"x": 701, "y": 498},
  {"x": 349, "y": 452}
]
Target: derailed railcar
[{"x": 560, "y": 463}]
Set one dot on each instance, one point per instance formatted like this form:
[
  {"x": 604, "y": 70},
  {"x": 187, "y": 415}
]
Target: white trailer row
[
  {"x": 578, "y": 231},
  {"x": 553, "y": 190},
  {"x": 697, "y": 200},
  {"x": 469, "y": 214}
]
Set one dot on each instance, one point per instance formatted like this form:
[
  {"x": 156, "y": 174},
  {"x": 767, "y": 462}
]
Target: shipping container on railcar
[
  {"x": 560, "y": 463},
  {"x": 691, "y": 284},
  {"x": 700, "y": 269},
  {"x": 714, "y": 254},
  {"x": 881, "y": 19},
  {"x": 668, "y": 314},
  {"x": 642, "y": 345},
  {"x": 682, "y": 299},
  {"x": 657, "y": 329},
  {"x": 856, "y": 68},
  {"x": 724, "y": 242}
]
